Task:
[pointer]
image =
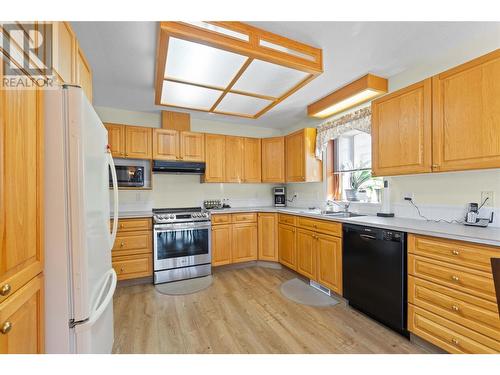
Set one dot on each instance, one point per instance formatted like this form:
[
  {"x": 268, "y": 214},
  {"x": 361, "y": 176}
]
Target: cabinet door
[
  {"x": 306, "y": 253},
  {"x": 329, "y": 250},
  {"x": 466, "y": 109},
  {"x": 221, "y": 244},
  {"x": 273, "y": 159},
  {"x": 287, "y": 249},
  {"x": 166, "y": 144},
  {"x": 215, "y": 154},
  {"x": 234, "y": 159},
  {"x": 402, "y": 131},
  {"x": 83, "y": 73},
  {"x": 244, "y": 243},
  {"x": 295, "y": 166},
  {"x": 116, "y": 139},
  {"x": 64, "y": 52},
  {"x": 22, "y": 319},
  {"x": 192, "y": 146},
  {"x": 268, "y": 236},
  {"x": 138, "y": 142},
  {"x": 21, "y": 187},
  {"x": 252, "y": 164}
]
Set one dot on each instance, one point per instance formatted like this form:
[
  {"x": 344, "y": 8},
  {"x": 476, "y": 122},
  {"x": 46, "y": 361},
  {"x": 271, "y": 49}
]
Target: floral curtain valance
[{"x": 357, "y": 120}]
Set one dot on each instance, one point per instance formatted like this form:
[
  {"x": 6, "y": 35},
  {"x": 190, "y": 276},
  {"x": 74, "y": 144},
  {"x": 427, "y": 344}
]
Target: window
[{"x": 350, "y": 172}]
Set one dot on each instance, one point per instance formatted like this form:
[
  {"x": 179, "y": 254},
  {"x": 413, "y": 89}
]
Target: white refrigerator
[{"x": 79, "y": 279}]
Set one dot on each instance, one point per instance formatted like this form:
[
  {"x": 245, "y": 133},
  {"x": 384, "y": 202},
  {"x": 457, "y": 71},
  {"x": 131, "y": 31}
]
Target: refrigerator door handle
[
  {"x": 97, "y": 311},
  {"x": 115, "y": 198}
]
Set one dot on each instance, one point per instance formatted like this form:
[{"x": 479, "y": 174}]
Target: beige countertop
[{"x": 487, "y": 236}]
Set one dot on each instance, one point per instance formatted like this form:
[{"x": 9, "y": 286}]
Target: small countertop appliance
[{"x": 279, "y": 194}]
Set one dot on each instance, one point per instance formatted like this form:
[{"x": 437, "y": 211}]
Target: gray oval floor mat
[
  {"x": 185, "y": 286},
  {"x": 300, "y": 292}
]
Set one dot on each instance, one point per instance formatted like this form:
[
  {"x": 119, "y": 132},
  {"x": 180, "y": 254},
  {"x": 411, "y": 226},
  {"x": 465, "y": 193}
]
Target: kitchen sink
[{"x": 340, "y": 214}]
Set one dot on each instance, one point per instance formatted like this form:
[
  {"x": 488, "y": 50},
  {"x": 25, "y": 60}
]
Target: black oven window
[{"x": 182, "y": 243}]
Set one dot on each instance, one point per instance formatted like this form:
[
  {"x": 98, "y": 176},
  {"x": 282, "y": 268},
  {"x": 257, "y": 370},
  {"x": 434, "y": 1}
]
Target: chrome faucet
[{"x": 343, "y": 205}]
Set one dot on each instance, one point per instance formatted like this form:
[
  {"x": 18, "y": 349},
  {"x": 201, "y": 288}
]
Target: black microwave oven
[{"x": 128, "y": 176}]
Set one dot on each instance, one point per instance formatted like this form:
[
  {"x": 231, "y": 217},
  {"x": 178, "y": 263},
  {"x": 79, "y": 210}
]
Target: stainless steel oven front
[{"x": 182, "y": 245}]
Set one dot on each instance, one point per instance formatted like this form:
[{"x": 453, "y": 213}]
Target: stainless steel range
[{"x": 182, "y": 244}]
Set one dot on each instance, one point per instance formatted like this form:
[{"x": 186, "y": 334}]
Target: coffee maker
[{"x": 279, "y": 196}]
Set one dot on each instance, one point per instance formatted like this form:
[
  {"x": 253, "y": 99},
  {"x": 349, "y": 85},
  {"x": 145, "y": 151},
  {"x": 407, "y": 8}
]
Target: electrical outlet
[
  {"x": 490, "y": 196},
  {"x": 408, "y": 196}
]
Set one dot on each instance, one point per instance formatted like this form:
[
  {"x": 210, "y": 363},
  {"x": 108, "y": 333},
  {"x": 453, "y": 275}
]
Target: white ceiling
[{"x": 122, "y": 56}]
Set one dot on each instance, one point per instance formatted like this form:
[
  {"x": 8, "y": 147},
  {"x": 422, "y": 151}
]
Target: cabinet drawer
[
  {"x": 447, "y": 335},
  {"x": 287, "y": 219},
  {"x": 469, "y": 311},
  {"x": 324, "y": 226},
  {"x": 133, "y": 266},
  {"x": 456, "y": 252},
  {"x": 221, "y": 219},
  {"x": 477, "y": 283},
  {"x": 132, "y": 243},
  {"x": 249, "y": 217},
  {"x": 127, "y": 225}
]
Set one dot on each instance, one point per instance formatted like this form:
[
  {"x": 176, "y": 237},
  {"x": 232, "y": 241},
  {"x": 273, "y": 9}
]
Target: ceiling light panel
[
  {"x": 268, "y": 79},
  {"x": 242, "y": 104},
  {"x": 201, "y": 64},
  {"x": 188, "y": 96}
]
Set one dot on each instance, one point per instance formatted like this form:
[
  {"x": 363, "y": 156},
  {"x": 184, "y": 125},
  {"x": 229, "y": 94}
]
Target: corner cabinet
[
  {"x": 402, "y": 131},
  {"x": 466, "y": 115},
  {"x": 301, "y": 162}
]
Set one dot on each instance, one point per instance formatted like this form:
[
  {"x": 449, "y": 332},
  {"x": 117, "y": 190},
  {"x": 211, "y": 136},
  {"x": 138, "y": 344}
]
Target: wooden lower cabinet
[
  {"x": 268, "y": 236},
  {"x": 132, "y": 254},
  {"x": 22, "y": 320},
  {"x": 306, "y": 253},
  {"x": 221, "y": 244},
  {"x": 244, "y": 242},
  {"x": 287, "y": 246},
  {"x": 451, "y": 297},
  {"x": 329, "y": 254}
]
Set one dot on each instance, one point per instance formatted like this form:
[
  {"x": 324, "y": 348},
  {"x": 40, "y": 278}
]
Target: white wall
[
  {"x": 442, "y": 195},
  {"x": 186, "y": 190}
]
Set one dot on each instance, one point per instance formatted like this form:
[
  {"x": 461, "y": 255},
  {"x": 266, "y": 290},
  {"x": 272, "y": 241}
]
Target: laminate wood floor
[{"x": 243, "y": 311}]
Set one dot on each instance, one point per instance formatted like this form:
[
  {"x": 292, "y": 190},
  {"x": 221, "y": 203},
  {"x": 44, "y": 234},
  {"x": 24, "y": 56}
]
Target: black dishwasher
[{"x": 374, "y": 274}]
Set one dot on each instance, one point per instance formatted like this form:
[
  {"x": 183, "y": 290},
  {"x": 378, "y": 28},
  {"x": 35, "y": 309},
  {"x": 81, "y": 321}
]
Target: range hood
[{"x": 178, "y": 167}]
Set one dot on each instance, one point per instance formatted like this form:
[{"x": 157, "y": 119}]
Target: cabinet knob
[
  {"x": 6, "y": 327},
  {"x": 455, "y": 278},
  {"x": 455, "y": 308},
  {"x": 6, "y": 288},
  {"x": 455, "y": 252},
  {"x": 435, "y": 166},
  {"x": 121, "y": 225},
  {"x": 455, "y": 342},
  {"x": 121, "y": 269},
  {"x": 122, "y": 244}
]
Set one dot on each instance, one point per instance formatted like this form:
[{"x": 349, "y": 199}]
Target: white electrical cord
[{"x": 438, "y": 220}]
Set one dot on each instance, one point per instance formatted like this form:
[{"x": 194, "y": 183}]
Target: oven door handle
[{"x": 168, "y": 228}]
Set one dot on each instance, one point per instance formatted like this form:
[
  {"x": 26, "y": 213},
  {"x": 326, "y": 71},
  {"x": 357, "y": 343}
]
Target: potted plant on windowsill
[{"x": 356, "y": 180}]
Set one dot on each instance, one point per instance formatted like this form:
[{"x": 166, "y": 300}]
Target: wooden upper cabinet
[
  {"x": 64, "y": 52},
  {"x": 165, "y": 144},
  {"x": 244, "y": 242},
  {"x": 234, "y": 159},
  {"x": 301, "y": 162},
  {"x": 179, "y": 121},
  {"x": 268, "y": 236},
  {"x": 116, "y": 139},
  {"x": 466, "y": 115},
  {"x": 24, "y": 314},
  {"x": 252, "y": 160},
  {"x": 215, "y": 157},
  {"x": 192, "y": 146},
  {"x": 21, "y": 188},
  {"x": 138, "y": 142},
  {"x": 402, "y": 131},
  {"x": 273, "y": 160},
  {"x": 83, "y": 73}
]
